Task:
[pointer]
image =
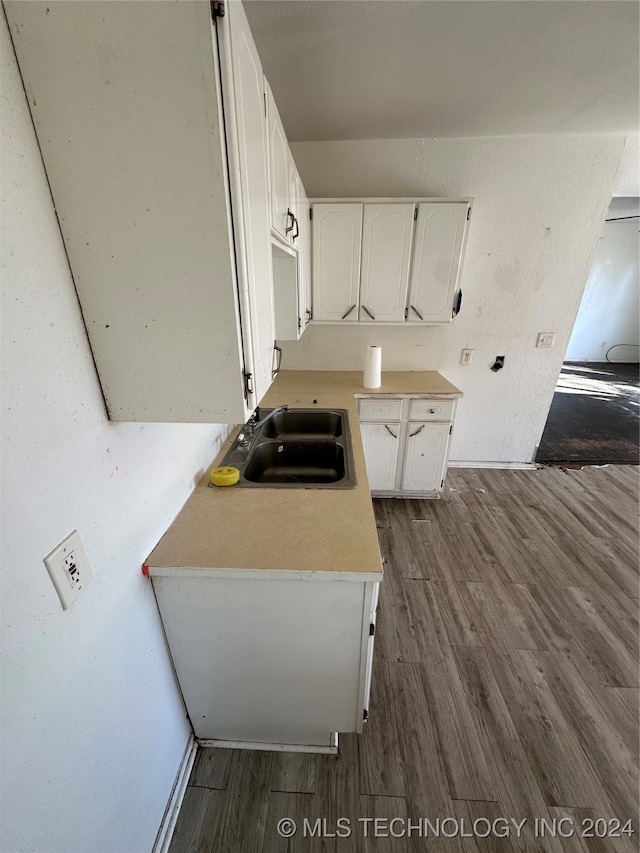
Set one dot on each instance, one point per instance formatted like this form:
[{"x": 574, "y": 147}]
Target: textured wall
[
  {"x": 93, "y": 729},
  {"x": 628, "y": 177},
  {"x": 539, "y": 205}
]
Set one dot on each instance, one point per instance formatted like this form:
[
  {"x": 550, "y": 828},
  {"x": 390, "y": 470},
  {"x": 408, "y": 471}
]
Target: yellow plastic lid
[{"x": 224, "y": 476}]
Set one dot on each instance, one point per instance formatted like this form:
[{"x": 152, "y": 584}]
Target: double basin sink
[{"x": 296, "y": 448}]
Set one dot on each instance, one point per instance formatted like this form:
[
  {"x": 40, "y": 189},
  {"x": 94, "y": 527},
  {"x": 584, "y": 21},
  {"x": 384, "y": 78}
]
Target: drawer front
[
  {"x": 431, "y": 410},
  {"x": 380, "y": 410}
]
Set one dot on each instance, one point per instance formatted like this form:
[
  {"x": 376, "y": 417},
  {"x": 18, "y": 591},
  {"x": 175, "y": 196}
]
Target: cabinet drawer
[
  {"x": 431, "y": 410},
  {"x": 380, "y": 410}
]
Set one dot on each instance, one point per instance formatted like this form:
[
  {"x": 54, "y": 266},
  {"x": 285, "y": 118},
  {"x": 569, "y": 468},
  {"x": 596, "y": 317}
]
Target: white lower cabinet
[
  {"x": 381, "y": 452},
  {"x": 406, "y": 457},
  {"x": 425, "y": 457},
  {"x": 269, "y": 661}
]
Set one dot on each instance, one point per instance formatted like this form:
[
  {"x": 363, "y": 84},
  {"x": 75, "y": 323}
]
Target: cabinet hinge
[
  {"x": 365, "y": 715},
  {"x": 217, "y": 9},
  {"x": 415, "y": 213},
  {"x": 310, "y": 213},
  {"x": 372, "y": 629},
  {"x": 248, "y": 384},
  {"x": 264, "y": 95},
  {"x": 450, "y": 429},
  {"x": 406, "y": 313},
  {"x": 468, "y": 214},
  {"x": 442, "y": 483}
]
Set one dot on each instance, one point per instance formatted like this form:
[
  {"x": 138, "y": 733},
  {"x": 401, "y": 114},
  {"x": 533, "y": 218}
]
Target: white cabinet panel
[
  {"x": 337, "y": 240},
  {"x": 440, "y": 229},
  {"x": 387, "y": 235},
  {"x": 279, "y": 167},
  {"x": 174, "y": 285},
  {"x": 381, "y": 443},
  {"x": 380, "y": 410},
  {"x": 286, "y": 292},
  {"x": 272, "y": 661},
  {"x": 425, "y": 456},
  {"x": 251, "y": 154},
  {"x": 431, "y": 410},
  {"x": 304, "y": 257}
]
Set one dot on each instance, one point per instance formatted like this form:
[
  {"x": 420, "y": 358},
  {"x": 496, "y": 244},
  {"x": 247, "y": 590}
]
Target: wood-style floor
[
  {"x": 505, "y": 683},
  {"x": 593, "y": 417}
]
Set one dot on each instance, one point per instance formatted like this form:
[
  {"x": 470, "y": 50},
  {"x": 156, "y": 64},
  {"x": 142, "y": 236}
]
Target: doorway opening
[{"x": 594, "y": 415}]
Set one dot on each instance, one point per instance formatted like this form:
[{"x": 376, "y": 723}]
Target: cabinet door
[
  {"x": 304, "y": 256},
  {"x": 337, "y": 241},
  {"x": 381, "y": 454},
  {"x": 387, "y": 235},
  {"x": 440, "y": 229},
  {"x": 425, "y": 456},
  {"x": 248, "y": 154},
  {"x": 279, "y": 163}
]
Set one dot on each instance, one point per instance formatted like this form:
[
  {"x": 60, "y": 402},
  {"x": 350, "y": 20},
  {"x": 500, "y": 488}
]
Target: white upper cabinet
[
  {"x": 130, "y": 103},
  {"x": 387, "y": 236},
  {"x": 291, "y": 231},
  {"x": 336, "y": 252},
  {"x": 440, "y": 231},
  {"x": 304, "y": 257},
  {"x": 387, "y": 262},
  {"x": 280, "y": 170},
  {"x": 249, "y": 151},
  {"x": 286, "y": 215}
]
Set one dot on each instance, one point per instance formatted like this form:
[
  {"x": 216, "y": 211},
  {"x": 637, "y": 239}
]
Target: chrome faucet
[
  {"x": 272, "y": 413},
  {"x": 254, "y": 424}
]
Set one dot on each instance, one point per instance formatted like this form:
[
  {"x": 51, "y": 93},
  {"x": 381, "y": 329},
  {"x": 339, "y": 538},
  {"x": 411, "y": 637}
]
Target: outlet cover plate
[
  {"x": 69, "y": 568},
  {"x": 465, "y": 356},
  {"x": 546, "y": 340}
]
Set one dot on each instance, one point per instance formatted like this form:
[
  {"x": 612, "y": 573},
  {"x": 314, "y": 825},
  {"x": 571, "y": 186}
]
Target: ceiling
[{"x": 372, "y": 69}]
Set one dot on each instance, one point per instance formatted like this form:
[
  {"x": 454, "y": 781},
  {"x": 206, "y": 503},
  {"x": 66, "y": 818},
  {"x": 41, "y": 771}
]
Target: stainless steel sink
[
  {"x": 293, "y": 462},
  {"x": 307, "y": 423},
  {"x": 298, "y": 448}
]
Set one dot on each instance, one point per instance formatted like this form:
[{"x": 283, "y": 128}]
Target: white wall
[
  {"x": 628, "y": 178},
  {"x": 93, "y": 728},
  {"x": 609, "y": 311},
  {"x": 538, "y": 211}
]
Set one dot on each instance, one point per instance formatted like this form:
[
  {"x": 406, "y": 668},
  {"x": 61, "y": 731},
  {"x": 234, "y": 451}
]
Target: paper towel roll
[{"x": 372, "y": 367}]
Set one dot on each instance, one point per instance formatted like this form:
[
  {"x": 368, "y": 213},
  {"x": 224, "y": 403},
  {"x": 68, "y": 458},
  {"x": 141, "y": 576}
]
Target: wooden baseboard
[
  {"x": 331, "y": 749},
  {"x": 518, "y": 466},
  {"x": 170, "y": 817}
]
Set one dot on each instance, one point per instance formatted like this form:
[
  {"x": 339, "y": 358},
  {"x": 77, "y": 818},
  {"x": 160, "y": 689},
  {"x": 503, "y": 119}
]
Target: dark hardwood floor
[
  {"x": 593, "y": 419},
  {"x": 505, "y": 684}
]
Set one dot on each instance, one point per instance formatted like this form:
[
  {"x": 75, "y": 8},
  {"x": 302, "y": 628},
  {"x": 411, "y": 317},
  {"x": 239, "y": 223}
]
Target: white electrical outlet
[
  {"x": 466, "y": 356},
  {"x": 69, "y": 568},
  {"x": 546, "y": 340}
]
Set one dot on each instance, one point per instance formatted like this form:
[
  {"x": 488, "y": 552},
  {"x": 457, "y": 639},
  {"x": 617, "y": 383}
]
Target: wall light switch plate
[
  {"x": 465, "y": 356},
  {"x": 546, "y": 340},
  {"x": 69, "y": 568}
]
